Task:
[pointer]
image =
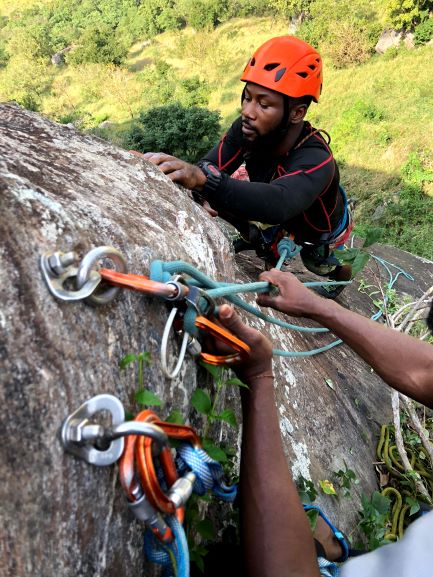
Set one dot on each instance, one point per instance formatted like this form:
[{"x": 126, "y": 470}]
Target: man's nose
[{"x": 248, "y": 109}]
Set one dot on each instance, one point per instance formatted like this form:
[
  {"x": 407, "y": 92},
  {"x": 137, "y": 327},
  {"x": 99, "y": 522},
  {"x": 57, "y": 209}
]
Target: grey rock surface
[{"x": 62, "y": 190}]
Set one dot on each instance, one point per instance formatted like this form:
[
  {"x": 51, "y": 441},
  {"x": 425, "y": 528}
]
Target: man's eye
[{"x": 264, "y": 106}]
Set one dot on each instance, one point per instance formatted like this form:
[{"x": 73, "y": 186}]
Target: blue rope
[
  {"x": 173, "y": 557},
  {"x": 209, "y": 473}
]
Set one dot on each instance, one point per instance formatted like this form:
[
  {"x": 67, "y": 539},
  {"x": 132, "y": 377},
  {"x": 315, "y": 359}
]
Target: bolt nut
[{"x": 59, "y": 261}]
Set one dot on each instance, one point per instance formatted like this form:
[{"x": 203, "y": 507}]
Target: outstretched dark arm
[{"x": 403, "y": 362}]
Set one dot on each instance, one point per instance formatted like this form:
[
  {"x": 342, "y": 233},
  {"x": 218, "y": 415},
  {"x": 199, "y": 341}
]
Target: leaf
[
  {"x": 145, "y": 357},
  {"x": 312, "y": 515},
  {"x": 227, "y": 416},
  {"x": 145, "y": 397},
  {"x": 175, "y": 417},
  {"x": 196, "y": 557},
  {"x": 237, "y": 383},
  {"x": 214, "y": 370},
  {"x": 374, "y": 234},
  {"x": 206, "y": 529},
  {"x": 348, "y": 255},
  {"x": 359, "y": 263},
  {"x": 214, "y": 452},
  {"x": 380, "y": 502},
  {"x": 327, "y": 487},
  {"x": 127, "y": 360},
  {"x": 330, "y": 384},
  {"x": 414, "y": 505},
  {"x": 201, "y": 402}
]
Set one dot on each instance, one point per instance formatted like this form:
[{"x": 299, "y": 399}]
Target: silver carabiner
[{"x": 84, "y": 272}]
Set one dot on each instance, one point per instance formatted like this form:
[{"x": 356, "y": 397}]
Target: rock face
[
  {"x": 67, "y": 191},
  {"x": 392, "y": 38}
]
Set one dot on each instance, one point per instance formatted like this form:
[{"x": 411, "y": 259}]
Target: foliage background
[{"x": 124, "y": 58}]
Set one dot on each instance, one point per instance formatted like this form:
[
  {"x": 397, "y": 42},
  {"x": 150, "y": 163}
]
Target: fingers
[
  {"x": 292, "y": 298},
  {"x": 230, "y": 319},
  {"x": 209, "y": 209},
  {"x": 158, "y": 158}
]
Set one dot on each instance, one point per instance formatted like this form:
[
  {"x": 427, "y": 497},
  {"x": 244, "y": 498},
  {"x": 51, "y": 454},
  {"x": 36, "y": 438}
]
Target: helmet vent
[
  {"x": 312, "y": 67},
  {"x": 271, "y": 66},
  {"x": 279, "y": 74},
  {"x": 252, "y": 61},
  {"x": 302, "y": 74}
]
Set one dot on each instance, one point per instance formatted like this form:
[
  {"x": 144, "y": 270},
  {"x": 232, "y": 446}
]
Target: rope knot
[{"x": 288, "y": 245}]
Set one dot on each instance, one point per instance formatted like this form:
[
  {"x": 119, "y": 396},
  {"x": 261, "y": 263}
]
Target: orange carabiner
[
  {"x": 140, "y": 283},
  {"x": 138, "y": 450},
  {"x": 242, "y": 349}
]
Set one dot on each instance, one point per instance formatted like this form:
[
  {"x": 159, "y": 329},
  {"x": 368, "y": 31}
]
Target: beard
[{"x": 265, "y": 143}]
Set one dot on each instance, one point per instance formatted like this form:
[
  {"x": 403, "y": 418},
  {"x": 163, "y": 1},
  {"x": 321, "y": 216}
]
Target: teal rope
[{"x": 162, "y": 272}]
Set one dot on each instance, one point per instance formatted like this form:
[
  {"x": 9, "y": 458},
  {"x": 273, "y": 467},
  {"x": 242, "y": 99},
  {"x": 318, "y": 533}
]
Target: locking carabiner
[{"x": 243, "y": 351}]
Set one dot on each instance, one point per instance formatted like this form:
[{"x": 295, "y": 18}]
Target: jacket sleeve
[{"x": 284, "y": 198}]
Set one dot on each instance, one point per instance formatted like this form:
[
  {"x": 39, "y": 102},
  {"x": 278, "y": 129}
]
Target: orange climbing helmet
[{"x": 287, "y": 65}]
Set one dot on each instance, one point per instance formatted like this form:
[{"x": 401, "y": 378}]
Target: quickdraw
[
  {"x": 157, "y": 486},
  {"x": 192, "y": 302},
  {"x": 190, "y": 291}
]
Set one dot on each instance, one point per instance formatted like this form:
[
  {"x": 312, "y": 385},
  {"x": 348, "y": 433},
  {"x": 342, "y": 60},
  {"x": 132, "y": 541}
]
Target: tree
[
  {"x": 405, "y": 14},
  {"x": 184, "y": 132}
]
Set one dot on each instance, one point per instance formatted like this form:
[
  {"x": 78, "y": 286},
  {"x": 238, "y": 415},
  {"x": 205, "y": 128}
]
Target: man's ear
[{"x": 297, "y": 113}]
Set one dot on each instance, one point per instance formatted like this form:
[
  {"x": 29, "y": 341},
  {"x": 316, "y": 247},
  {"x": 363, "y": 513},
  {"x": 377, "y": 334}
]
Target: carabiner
[
  {"x": 85, "y": 270},
  {"x": 200, "y": 300},
  {"x": 171, "y": 290},
  {"x": 171, "y": 374},
  {"x": 57, "y": 268},
  {"x": 242, "y": 349}
]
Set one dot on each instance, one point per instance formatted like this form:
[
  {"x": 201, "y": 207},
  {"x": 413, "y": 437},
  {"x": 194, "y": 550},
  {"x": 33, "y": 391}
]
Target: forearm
[
  {"x": 276, "y": 536},
  {"x": 270, "y": 203},
  {"x": 403, "y": 362}
]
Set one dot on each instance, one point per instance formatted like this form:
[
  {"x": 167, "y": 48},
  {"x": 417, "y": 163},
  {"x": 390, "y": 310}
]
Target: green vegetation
[
  {"x": 184, "y": 132},
  {"x": 121, "y": 60}
]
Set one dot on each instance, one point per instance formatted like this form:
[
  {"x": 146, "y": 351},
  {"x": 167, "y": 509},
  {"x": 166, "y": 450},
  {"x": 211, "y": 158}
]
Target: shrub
[
  {"x": 423, "y": 32},
  {"x": 349, "y": 44},
  {"x": 99, "y": 44},
  {"x": 187, "y": 133},
  {"x": 408, "y": 222}
]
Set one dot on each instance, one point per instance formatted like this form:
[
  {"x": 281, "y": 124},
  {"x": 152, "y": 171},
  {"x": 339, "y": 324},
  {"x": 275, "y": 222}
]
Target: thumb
[{"x": 230, "y": 319}]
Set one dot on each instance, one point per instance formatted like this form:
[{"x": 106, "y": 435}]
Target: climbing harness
[
  {"x": 191, "y": 292},
  {"x": 157, "y": 485}
]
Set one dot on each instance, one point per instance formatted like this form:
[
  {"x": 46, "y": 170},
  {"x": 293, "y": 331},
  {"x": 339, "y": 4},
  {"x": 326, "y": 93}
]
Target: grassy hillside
[{"x": 379, "y": 113}]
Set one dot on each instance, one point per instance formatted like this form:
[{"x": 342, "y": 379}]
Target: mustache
[{"x": 248, "y": 125}]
